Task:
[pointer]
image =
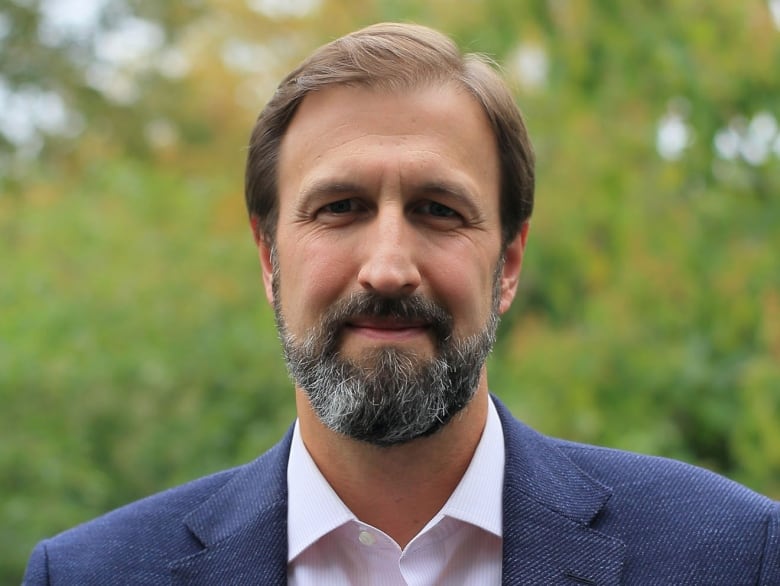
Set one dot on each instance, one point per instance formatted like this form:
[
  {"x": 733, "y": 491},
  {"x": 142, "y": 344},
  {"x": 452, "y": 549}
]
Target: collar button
[{"x": 366, "y": 538}]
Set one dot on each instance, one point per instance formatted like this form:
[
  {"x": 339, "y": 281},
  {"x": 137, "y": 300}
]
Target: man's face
[{"x": 387, "y": 258}]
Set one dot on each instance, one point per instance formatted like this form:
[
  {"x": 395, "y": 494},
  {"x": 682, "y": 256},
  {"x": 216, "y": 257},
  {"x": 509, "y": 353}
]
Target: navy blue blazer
[{"x": 573, "y": 514}]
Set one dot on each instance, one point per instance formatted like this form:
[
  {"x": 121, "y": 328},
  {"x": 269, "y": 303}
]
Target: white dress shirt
[{"x": 328, "y": 545}]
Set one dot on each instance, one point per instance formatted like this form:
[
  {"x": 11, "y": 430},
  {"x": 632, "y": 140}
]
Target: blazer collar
[{"x": 549, "y": 504}]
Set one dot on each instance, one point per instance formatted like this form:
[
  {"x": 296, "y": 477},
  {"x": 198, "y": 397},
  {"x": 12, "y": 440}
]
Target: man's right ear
[{"x": 265, "y": 253}]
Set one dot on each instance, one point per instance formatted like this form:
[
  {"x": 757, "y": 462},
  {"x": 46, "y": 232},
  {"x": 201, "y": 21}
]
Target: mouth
[{"x": 388, "y": 329}]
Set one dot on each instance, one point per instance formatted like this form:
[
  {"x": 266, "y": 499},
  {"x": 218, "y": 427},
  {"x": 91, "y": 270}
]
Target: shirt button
[{"x": 366, "y": 538}]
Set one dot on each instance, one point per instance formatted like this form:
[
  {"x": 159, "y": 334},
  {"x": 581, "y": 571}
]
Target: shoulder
[
  {"x": 137, "y": 542},
  {"x": 644, "y": 474},
  {"x": 147, "y": 533},
  {"x": 673, "y": 519},
  {"x": 686, "y": 518},
  {"x": 644, "y": 480}
]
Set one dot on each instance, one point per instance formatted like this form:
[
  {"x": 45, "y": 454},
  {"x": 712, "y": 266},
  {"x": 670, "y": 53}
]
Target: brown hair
[{"x": 393, "y": 56}]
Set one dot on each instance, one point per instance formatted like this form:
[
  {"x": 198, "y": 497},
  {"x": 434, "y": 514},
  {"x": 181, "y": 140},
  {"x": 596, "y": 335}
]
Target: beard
[{"x": 387, "y": 395}]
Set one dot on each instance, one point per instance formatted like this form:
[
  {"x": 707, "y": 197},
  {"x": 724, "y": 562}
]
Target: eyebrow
[
  {"x": 325, "y": 188},
  {"x": 456, "y": 191}
]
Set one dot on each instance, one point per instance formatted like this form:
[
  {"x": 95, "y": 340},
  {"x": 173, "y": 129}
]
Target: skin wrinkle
[
  {"x": 469, "y": 223},
  {"x": 320, "y": 191}
]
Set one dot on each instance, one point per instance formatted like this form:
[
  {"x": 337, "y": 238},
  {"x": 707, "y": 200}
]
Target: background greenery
[{"x": 136, "y": 348}]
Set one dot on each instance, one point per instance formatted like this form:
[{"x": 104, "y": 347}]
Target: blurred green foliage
[{"x": 136, "y": 347}]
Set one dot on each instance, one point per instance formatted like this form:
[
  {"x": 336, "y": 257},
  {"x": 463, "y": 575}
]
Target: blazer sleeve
[
  {"x": 770, "y": 571},
  {"x": 37, "y": 573}
]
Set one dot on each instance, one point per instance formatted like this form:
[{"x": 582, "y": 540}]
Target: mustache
[{"x": 365, "y": 304}]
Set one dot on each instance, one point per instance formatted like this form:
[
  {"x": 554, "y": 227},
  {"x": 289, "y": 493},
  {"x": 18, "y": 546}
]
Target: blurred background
[{"x": 136, "y": 347}]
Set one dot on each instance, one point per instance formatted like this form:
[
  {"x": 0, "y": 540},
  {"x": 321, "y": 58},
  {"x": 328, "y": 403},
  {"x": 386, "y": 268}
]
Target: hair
[{"x": 393, "y": 57}]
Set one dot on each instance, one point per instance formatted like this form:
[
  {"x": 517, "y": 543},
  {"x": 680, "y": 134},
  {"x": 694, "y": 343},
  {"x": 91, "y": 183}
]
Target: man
[{"x": 389, "y": 186}]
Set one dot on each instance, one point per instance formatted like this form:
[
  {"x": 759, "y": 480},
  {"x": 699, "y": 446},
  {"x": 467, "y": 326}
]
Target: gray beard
[{"x": 387, "y": 395}]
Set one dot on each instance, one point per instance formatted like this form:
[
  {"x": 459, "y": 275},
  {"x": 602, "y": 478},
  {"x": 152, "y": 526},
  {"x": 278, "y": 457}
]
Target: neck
[{"x": 396, "y": 489}]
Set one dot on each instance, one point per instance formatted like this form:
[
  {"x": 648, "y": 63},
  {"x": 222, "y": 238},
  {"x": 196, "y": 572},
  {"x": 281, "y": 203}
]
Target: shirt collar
[
  {"x": 314, "y": 509},
  {"x": 478, "y": 497}
]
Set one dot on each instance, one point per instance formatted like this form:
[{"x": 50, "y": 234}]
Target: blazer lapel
[
  {"x": 243, "y": 528},
  {"x": 549, "y": 504}
]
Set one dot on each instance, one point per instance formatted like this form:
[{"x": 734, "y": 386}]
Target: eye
[
  {"x": 438, "y": 210},
  {"x": 341, "y": 212},
  {"x": 342, "y": 206}
]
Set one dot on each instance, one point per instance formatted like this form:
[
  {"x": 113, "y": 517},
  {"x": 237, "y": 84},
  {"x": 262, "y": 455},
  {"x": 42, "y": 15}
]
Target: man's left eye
[{"x": 439, "y": 210}]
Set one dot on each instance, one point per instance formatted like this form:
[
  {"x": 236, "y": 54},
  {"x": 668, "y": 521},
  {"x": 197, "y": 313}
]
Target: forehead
[{"x": 352, "y": 130}]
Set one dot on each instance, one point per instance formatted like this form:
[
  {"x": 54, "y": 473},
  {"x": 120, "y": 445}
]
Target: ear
[
  {"x": 510, "y": 274},
  {"x": 264, "y": 252}
]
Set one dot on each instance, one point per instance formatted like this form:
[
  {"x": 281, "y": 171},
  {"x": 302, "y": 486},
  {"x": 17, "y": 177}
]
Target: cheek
[
  {"x": 310, "y": 281},
  {"x": 465, "y": 287}
]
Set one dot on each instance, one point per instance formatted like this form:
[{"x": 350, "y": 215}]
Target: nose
[{"x": 389, "y": 267}]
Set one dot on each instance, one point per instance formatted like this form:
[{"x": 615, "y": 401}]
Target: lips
[
  {"x": 388, "y": 323},
  {"x": 387, "y": 328}
]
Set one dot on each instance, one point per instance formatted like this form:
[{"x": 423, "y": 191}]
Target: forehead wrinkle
[{"x": 345, "y": 157}]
